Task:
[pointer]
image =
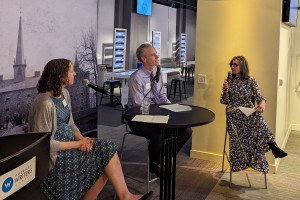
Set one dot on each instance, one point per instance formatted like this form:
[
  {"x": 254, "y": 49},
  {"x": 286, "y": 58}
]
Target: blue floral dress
[
  {"x": 248, "y": 136},
  {"x": 75, "y": 171}
]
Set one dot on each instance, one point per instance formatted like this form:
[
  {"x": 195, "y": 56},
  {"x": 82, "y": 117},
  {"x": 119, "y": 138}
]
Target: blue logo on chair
[{"x": 7, "y": 184}]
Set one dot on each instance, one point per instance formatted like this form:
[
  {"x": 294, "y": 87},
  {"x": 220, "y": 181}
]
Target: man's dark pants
[{"x": 154, "y": 135}]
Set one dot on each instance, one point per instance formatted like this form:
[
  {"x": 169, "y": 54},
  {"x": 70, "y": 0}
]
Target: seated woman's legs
[
  {"x": 277, "y": 152},
  {"x": 114, "y": 173}
]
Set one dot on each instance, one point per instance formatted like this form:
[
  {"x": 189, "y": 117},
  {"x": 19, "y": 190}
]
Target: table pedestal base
[{"x": 168, "y": 164}]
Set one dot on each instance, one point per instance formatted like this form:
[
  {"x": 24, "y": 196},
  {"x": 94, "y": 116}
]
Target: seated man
[{"x": 147, "y": 84}]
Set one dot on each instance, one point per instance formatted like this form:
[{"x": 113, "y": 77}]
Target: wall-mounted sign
[
  {"x": 183, "y": 47},
  {"x": 156, "y": 43},
  {"x": 119, "y": 49}
]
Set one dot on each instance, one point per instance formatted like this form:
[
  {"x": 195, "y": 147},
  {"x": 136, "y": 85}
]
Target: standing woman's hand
[
  {"x": 225, "y": 85},
  {"x": 261, "y": 106}
]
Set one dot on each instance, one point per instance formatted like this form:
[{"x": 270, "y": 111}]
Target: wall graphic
[{"x": 34, "y": 32}]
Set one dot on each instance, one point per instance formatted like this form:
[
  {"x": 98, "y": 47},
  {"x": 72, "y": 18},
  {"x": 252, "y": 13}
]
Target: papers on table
[
  {"x": 161, "y": 119},
  {"x": 176, "y": 107},
  {"x": 247, "y": 111}
]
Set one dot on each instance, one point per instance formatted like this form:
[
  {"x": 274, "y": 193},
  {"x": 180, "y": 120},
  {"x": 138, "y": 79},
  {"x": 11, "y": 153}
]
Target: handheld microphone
[
  {"x": 97, "y": 88},
  {"x": 229, "y": 76}
]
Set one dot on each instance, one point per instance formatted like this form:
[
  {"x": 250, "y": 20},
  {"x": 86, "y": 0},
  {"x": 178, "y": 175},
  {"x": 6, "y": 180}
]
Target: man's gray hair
[{"x": 140, "y": 51}]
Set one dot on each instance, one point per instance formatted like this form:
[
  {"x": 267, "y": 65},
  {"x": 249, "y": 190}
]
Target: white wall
[
  {"x": 284, "y": 67},
  {"x": 295, "y": 78},
  {"x": 106, "y": 12}
]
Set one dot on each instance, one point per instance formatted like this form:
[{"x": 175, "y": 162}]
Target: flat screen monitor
[
  {"x": 144, "y": 7},
  {"x": 290, "y": 12}
]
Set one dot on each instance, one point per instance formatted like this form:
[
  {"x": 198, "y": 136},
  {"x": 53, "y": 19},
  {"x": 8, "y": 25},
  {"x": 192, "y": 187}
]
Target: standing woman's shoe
[{"x": 277, "y": 152}]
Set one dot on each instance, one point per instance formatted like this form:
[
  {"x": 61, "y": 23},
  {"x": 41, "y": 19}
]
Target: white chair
[{"x": 225, "y": 153}]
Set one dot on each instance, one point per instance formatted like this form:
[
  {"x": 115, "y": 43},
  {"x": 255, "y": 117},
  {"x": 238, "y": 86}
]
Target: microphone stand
[{"x": 152, "y": 81}]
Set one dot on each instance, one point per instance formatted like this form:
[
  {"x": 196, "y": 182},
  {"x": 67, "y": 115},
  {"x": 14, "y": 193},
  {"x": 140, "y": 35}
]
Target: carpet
[
  {"x": 109, "y": 115},
  {"x": 250, "y": 185}
]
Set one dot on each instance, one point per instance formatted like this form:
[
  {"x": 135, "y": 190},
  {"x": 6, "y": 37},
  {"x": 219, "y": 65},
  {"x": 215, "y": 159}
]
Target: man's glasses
[{"x": 233, "y": 64}]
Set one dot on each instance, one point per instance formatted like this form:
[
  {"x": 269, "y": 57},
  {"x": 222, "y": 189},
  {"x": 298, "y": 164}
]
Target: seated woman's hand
[
  {"x": 90, "y": 140},
  {"x": 86, "y": 144}
]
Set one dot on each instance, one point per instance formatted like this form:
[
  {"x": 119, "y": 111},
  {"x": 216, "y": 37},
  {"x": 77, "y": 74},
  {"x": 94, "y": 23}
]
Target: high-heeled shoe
[
  {"x": 276, "y": 151},
  {"x": 146, "y": 196}
]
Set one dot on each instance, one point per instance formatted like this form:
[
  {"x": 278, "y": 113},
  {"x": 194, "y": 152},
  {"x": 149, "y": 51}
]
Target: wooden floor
[{"x": 199, "y": 179}]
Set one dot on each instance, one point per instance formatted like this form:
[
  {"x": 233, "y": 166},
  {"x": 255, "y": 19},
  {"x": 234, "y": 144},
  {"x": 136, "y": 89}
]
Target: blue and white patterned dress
[
  {"x": 75, "y": 171},
  {"x": 249, "y": 136}
]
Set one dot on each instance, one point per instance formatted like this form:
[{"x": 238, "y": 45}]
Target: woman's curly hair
[{"x": 54, "y": 76}]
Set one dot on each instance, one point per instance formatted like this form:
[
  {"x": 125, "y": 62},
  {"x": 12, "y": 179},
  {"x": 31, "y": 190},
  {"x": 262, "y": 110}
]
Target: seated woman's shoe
[
  {"x": 146, "y": 196},
  {"x": 277, "y": 152}
]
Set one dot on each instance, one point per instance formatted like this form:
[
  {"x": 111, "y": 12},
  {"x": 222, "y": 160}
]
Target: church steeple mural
[{"x": 20, "y": 61}]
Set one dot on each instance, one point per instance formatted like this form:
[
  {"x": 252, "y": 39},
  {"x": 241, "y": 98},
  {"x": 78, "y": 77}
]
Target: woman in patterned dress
[
  {"x": 79, "y": 166},
  {"x": 250, "y": 137}
]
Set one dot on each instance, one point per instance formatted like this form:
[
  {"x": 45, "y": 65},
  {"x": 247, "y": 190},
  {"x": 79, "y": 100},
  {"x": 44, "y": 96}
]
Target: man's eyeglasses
[{"x": 233, "y": 64}]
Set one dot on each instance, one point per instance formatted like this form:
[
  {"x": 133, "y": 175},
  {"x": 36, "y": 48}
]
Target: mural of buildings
[{"x": 17, "y": 94}]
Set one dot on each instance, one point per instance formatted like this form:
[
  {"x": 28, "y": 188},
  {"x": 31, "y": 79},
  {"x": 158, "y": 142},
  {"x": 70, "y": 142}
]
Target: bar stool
[
  {"x": 184, "y": 71},
  {"x": 177, "y": 81},
  {"x": 111, "y": 85},
  {"x": 225, "y": 153},
  {"x": 190, "y": 71}
]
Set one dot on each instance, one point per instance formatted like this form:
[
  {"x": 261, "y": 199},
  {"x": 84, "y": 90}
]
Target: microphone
[
  {"x": 155, "y": 78},
  {"x": 229, "y": 76},
  {"x": 157, "y": 74},
  {"x": 97, "y": 88}
]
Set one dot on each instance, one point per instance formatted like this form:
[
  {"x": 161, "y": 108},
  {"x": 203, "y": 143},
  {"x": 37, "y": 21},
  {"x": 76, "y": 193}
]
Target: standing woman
[
  {"x": 79, "y": 166},
  {"x": 250, "y": 137}
]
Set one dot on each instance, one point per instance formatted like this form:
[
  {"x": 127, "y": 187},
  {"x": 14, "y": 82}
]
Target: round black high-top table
[{"x": 198, "y": 116}]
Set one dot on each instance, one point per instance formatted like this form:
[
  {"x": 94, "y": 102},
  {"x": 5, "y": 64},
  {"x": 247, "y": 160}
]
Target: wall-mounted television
[
  {"x": 290, "y": 12},
  {"x": 144, "y": 7}
]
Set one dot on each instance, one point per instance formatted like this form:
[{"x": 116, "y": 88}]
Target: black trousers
[{"x": 154, "y": 135}]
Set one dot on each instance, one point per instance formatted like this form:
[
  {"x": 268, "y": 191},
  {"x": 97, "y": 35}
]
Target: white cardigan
[{"x": 43, "y": 118}]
